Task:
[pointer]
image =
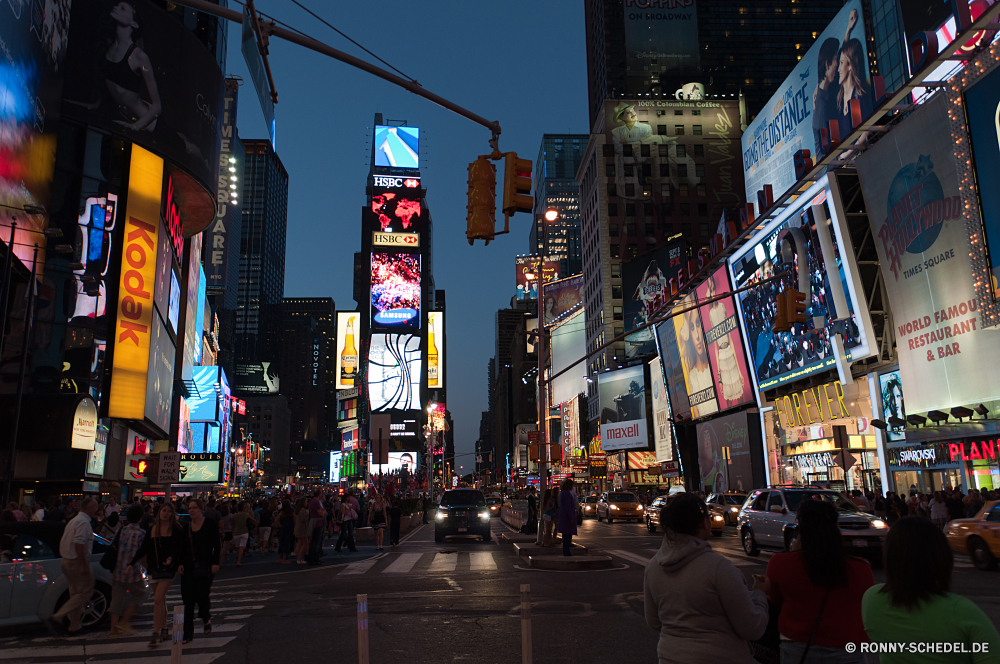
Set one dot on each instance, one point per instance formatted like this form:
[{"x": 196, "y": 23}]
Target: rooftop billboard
[
  {"x": 397, "y": 147},
  {"x": 646, "y": 283}
]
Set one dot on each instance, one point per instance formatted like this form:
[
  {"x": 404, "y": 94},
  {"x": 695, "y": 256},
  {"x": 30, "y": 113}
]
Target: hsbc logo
[
  {"x": 409, "y": 240},
  {"x": 389, "y": 181}
]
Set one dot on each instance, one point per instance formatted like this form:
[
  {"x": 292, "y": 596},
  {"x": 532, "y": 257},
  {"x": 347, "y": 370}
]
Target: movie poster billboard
[
  {"x": 784, "y": 357},
  {"x": 891, "y": 388},
  {"x": 394, "y": 372},
  {"x": 527, "y": 270},
  {"x": 733, "y": 387},
  {"x": 673, "y": 369},
  {"x": 137, "y": 72},
  {"x": 661, "y": 39},
  {"x": 34, "y": 39},
  {"x": 724, "y": 454},
  {"x": 663, "y": 431},
  {"x": 912, "y": 191},
  {"x": 395, "y": 295},
  {"x": 646, "y": 281},
  {"x": 622, "y": 395},
  {"x": 694, "y": 360},
  {"x": 982, "y": 100},
  {"x": 562, "y": 297},
  {"x": 832, "y": 73}
]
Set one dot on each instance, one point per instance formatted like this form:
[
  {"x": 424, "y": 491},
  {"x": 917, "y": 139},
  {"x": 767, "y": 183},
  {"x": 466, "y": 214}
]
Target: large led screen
[
  {"x": 348, "y": 359},
  {"x": 204, "y": 399},
  {"x": 568, "y": 343},
  {"x": 435, "y": 350},
  {"x": 160, "y": 378},
  {"x": 724, "y": 454},
  {"x": 891, "y": 388},
  {"x": 694, "y": 360},
  {"x": 335, "y": 458},
  {"x": 646, "y": 281},
  {"x": 982, "y": 101},
  {"x": 397, "y": 147},
  {"x": 673, "y": 369},
  {"x": 783, "y": 357},
  {"x": 622, "y": 396},
  {"x": 395, "y": 290},
  {"x": 724, "y": 343},
  {"x": 394, "y": 372},
  {"x": 397, "y": 462},
  {"x": 660, "y": 42},
  {"x": 396, "y": 212},
  {"x": 528, "y": 269},
  {"x": 200, "y": 468}
]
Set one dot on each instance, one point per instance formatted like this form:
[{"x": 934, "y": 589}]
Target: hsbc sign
[
  {"x": 408, "y": 240},
  {"x": 390, "y": 181},
  {"x": 624, "y": 435}
]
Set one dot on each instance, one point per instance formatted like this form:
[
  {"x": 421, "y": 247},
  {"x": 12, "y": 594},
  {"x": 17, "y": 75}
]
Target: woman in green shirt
[
  {"x": 914, "y": 607},
  {"x": 242, "y": 522}
]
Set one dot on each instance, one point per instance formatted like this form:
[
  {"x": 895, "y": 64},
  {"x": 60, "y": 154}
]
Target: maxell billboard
[{"x": 623, "y": 409}]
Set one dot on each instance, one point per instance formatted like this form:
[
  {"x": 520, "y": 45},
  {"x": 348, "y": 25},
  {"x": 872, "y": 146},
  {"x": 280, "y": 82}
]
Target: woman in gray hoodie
[{"x": 695, "y": 598}]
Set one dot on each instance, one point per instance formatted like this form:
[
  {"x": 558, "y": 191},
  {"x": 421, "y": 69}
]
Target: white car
[{"x": 32, "y": 585}]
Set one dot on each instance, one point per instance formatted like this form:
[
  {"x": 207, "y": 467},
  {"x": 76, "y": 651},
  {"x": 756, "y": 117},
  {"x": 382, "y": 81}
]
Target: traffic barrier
[
  {"x": 525, "y": 623},
  {"x": 513, "y": 518},
  {"x": 363, "y": 629},
  {"x": 177, "y": 647}
]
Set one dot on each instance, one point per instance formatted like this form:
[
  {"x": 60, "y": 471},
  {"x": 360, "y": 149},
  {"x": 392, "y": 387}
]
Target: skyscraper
[
  {"x": 308, "y": 365},
  {"x": 556, "y": 188},
  {"x": 259, "y": 315},
  {"x": 634, "y": 51}
]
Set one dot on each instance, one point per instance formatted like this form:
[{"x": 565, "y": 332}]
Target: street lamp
[
  {"x": 543, "y": 466},
  {"x": 551, "y": 214}
]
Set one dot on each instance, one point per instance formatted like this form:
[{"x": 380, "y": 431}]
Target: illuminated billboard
[
  {"x": 192, "y": 333},
  {"x": 647, "y": 288},
  {"x": 258, "y": 378},
  {"x": 335, "y": 458},
  {"x": 397, "y": 147},
  {"x": 395, "y": 212},
  {"x": 660, "y": 42},
  {"x": 395, "y": 292},
  {"x": 160, "y": 379},
  {"x": 835, "y": 305},
  {"x": 394, "y": 372},
  {"x": 527, "y": 270},
  {"x": 200, "y": 468},
  {"x": 724, "y": 343},
  {"x": 400, "y": 240},
  {"x": 134, "y": 314},
  {"x": 561, "y": 298},
  {"x": 694, "y": 360},
  {"x": 97, "y": 225},
  {"x": 397, "y": 461},
  {"x": 622, "y": 395},
  {"x": 348, "y": 331},
  {"x": 435, "y": 349}
]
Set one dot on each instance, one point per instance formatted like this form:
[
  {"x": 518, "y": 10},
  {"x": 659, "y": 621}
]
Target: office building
[
  {"x": 268, "y": 422},
  {"x": 665, "y": 55},
  {"x": 556, "y": 188},
  {"x": 308, "y": 366},
  {"x": 259, "y": 315}
]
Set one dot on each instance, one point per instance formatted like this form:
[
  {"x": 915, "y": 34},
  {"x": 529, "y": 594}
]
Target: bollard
[
  {"x": 177, "y": 647},
  {"x": 525, "y": 623},
  {"x": 362, "y": 629}
]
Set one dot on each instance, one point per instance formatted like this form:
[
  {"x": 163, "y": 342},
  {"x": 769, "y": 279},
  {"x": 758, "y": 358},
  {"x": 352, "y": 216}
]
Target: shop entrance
[{"x": 926, "y": 481}]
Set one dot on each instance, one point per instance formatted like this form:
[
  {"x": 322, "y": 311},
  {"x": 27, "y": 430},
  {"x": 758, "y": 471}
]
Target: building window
[
  {"x": 647, "y": 209},
  {"x": 702, "y": 209},
  {"x": 633, "y": 250},
  {"x": 611, "y": 189},
  {"x": 665, "y": 190},
  {"x": 661, "y": 130},
  {"x": 630, "y": 209},
  {"x": 703, "y": 228},
  {"x": 619, "y": 331},
  {"x": 650, "y": 231},
  {"x": 699, "y": 170},
  {"x": 681, "y": 151},
  {"x": 699, "y": 150},
  {"x": 644, "y": 150},
  {"x": 616, "y": 270},
  {"x": 619, "y": 313},
  {"x": 701, "y": 189},
  {"x": 647, "y": 169},
  {"x": 629, "y": 189},
  {"x": 697, "y": 130},
  {"x": 696, "y": 112},
  {"x": 683, "y": 189},
  {"x": 678, "y": 130},
  {"x": 630, "y": 230},
  {"x": 685, "y": 209},
  {"x": 612, "y": 209},
  {"x": 682, "y": 170},
  {"x": 613, "y": 250},
  {"x": 678, "y": 112},
  {"x": 686, "y": 229},
  {"x": 664, "y": 150},
  {"x": 616, "y": 292},
  {"x": 609, "y": 170},
  {"x": 613, "y": 230}
]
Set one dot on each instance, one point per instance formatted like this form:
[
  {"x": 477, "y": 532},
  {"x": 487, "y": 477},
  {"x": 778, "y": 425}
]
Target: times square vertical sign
[{"x": 216, "y": 252}]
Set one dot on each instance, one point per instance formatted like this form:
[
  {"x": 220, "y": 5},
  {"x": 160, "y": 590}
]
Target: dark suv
[
  {"x": 767, "y": 521},
  {"x": 462, "y": 512}
]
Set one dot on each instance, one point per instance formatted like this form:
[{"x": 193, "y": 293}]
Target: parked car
[
  {"x": 588, "y": 505},
  {"x": 32, "y": 585},
  {"x": 767, "y": 520},
  {"x": 978, "y": 536},
  {"x": 462, "y": 512},
  {"x": 620, "y": 505},
  {"x": 726, "y": 505}
]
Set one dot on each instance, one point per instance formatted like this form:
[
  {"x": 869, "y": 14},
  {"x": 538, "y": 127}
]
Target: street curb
[
  {"x": 569, "y": 563},
  {"x": 527, "y": 549}
]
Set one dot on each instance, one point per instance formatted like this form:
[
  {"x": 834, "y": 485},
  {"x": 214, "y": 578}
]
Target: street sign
[
  {"x": 255, "y": 63},
  {"x": 671, "y": 469},
  {"x": 844, "y": 459},
  {"x": 170, "y": 466},
  {"x": 533, "y": 436}
]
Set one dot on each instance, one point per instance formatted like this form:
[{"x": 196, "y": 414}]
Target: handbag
[
  {"x": 110, "y": 558},
  {"x": 812, "y": 634},
  {"x": 767, "y": 649}
]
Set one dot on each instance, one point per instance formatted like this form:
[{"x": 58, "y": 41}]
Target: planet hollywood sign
[{"x": 974, "y": 450}]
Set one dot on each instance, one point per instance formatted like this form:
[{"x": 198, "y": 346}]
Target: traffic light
[
  {"x": 796, "y": 307},
  {"x": 517, "y": 185},
  {"x": 482, "y": 208},
  {"x": 781, "y": 322}
]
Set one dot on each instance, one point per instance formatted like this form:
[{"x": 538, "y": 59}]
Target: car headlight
[
  {"x": 717, "y": 517},
  {"x": 484, "y": 515},
  {"x": 614, "y": 507},
  {"x": 878, "y": 523},
  {"x": 734, "y": 509},
  {"x": 640, "y": 508},
  {"x": 440, "y": 515}
]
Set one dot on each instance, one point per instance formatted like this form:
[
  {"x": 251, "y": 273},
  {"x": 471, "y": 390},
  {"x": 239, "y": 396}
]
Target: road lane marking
[
  {"x": 403, "y": 564},
  {"x": 360, "y": 567},
  {"x": 482, "y": 561},
  {"x": 444, "y": 562},
  {"x": 199, "y": 658},
  {"x": 99, "y": 649}
]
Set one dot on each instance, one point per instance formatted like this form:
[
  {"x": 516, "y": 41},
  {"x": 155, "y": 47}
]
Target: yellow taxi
[
  {"x": 653, "y": 516},
  {"x": 978, "y": 536},
  {"x": 620, "y": 505}
]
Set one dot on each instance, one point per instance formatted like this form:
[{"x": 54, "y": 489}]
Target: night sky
[{"x": 522, "y": 63}]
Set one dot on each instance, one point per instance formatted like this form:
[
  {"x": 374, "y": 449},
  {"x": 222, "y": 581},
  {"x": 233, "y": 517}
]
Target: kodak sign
[
  {"x": 408, "y": 240},
  {"x": 134, "y": 316}
]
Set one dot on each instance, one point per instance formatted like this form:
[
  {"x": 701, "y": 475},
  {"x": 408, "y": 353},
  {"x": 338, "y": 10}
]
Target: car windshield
[
  {"x": 794, "y": 498},
  {"x": 732, "y": 499},
  {"x": 463, "y": 498},
  {"x": 622, "y": 498},
  {"x": 493, "y": 501},
  {"x": 590, "y": 499}
]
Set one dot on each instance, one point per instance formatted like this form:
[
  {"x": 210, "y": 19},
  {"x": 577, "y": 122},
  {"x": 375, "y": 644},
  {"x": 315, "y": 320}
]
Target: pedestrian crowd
[{"x": 814, "y": 604}]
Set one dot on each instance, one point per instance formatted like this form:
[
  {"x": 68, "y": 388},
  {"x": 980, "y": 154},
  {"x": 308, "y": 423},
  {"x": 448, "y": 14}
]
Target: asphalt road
[{"x": 452, "y": 602}]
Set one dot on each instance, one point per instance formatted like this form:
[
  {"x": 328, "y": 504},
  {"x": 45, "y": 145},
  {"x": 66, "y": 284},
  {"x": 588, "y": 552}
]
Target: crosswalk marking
[
  {"x": 197, "y": 658},
  {"x": 110, "y": 648},
  {"x": 234, "y": 597},
  {"x": 403, "y": 564},
  {"x": 629, "y": 556},
  {"x": 360, "y": 567},
  {"x": 482, "y": 561},
  {"x": 444, "y": 562}
]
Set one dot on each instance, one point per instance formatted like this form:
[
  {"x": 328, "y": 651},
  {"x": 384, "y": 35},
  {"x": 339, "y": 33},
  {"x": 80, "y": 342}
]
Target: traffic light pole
[{"x": 543, "y": 466}]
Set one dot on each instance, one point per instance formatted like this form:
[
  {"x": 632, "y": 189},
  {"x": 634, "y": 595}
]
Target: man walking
[
  {"x": 128, "y": 589},
  {"x": 317, "y": 519},
  {"x": 75, "y": 547}
]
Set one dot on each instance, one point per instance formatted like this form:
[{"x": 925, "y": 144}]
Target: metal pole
[
  {"x": 525, "y": 623},
  {"x": 363, "y": 629},
  {"x": 28, "y": 310},
  {"x": 543, "y": 466},
  {"x": 5, "y": 287}
]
